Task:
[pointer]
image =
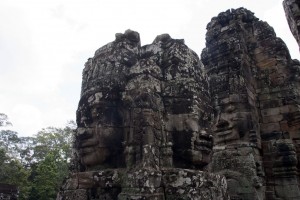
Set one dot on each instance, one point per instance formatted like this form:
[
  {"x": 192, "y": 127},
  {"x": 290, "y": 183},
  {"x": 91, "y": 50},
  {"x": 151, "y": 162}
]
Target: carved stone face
[
  {"x": 233, "y": 122},
  {"x": 147, "y": 84},
  {"x": 190, "y": 142},
  {"x": 99, "y": 135}
]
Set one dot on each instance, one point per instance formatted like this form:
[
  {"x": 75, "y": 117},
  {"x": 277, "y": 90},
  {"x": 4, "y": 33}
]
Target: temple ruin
[{"x": 156, "y": 122}]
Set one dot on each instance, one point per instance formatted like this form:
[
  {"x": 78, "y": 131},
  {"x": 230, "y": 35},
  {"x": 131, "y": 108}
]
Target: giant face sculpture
[
  {"x": 186, "y": 102},
  {"x": 233, "y": 123},
  {"x": 100, "y": 111},
  {"x": 99, "y": 135},
  {"x": 134, "y": 98},
  {"x": 235, "y": 112},
  {"x": 143, "y": 109},
  {"x": 191, "y": 143}
]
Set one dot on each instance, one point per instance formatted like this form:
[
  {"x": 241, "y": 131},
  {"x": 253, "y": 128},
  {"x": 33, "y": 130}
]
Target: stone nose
[{"x": 222, "y": 123}]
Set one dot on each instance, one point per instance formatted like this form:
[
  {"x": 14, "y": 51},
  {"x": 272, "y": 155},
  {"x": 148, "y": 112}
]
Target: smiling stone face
[
  {"x": 186, "y": 103},
  {"x": 233, "y": 122},
  {"x": 235, "y": 125},
  {"x": 99, "y": 135},
  {"x": 137, "y": 100}
]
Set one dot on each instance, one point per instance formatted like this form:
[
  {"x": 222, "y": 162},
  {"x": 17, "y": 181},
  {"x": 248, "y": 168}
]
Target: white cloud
[
  {"x": 26, "y": 118},
  {"x": 45, "y": 43}
]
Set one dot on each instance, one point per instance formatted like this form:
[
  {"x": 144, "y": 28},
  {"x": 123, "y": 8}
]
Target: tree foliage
[
  {"x": 4, "y": 120},
  {"x": 12, "y": 172},
  {"x": 54, "y": 139},
  {"x": 38, "y": 164},
  {"x": 49, "y": 176},
  {"x": 9, "y": 140}
]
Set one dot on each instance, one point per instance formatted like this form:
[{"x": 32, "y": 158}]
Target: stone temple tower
[
  {"x": 156, "y": 123},
  {"x": 254, "y": 88},
  {"x": 143, "y": 125}
]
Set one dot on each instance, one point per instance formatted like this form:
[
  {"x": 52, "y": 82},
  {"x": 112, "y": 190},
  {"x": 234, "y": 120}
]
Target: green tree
[
  {"x": 9, "y": 140},
  {"x": 55, "y": 139},
  {"x": 37, "y": 165},
  {"x": 52, "y": 153},
  {"x": 25, "y": 151},
  {"x": 49, "y": 176},
  {"x": 12, "y": 172},
  {"x": 21, "y": 148},
  {"x": 4, "y": 120}
]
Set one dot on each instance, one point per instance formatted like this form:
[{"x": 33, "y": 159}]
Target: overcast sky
[{"x": 45, "y": 43}]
